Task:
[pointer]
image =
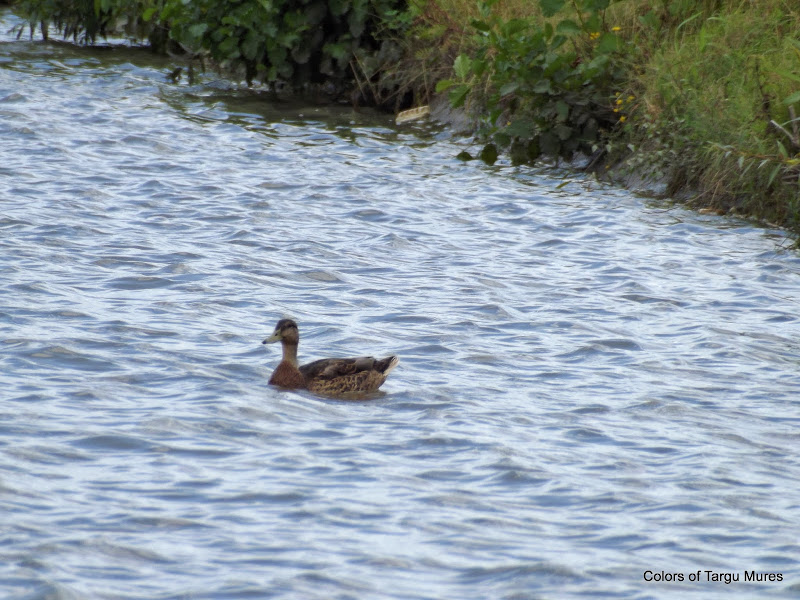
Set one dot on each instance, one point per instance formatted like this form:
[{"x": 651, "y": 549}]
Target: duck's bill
[{"x": 275, "y": 337}]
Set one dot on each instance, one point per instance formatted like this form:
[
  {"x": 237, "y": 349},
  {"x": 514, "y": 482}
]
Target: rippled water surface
[{"x": 591, "y": 386}]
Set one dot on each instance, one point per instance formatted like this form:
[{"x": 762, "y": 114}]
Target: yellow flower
[
  {"x": 616, "y": 110},
  {"x": 619, "y": 101},
  {"x": 616, "y": 28},
  {"x": 631, "y": 98},
  {"x": 622, "y": 119},
  {"x": 594, "y": 35}
]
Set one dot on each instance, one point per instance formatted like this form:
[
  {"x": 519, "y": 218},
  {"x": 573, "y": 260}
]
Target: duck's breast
[{"x": 286, "y": 375}]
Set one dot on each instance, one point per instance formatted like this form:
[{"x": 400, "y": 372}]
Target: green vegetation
[
  {"x": 547, "y": 84},
  {"x": 285, "y": 40},
  {"x": 700, "y": 94},
  {"x": 725, "y": 85},
  {"x": 86, "y": 20},
  {"x": 293, "y": 42}
]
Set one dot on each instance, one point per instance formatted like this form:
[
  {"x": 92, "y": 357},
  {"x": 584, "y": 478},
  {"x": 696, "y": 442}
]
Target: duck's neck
[{"x": 290, "y": 353}]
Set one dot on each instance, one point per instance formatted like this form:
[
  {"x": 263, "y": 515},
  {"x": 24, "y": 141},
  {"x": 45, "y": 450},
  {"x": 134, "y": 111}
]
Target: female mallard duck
[{"x": 329, "y": 376}]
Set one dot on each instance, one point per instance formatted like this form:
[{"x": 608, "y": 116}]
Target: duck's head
[{"x": 285, "y": 331}]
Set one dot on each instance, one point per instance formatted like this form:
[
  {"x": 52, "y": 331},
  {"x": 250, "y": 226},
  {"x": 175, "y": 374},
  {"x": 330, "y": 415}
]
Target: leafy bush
[
  {"x": 305, "y": 41},
  {"x": 295, "y": 41},
  {"x": 85, "y": 20},
  {"x": 546, "y": 87}
]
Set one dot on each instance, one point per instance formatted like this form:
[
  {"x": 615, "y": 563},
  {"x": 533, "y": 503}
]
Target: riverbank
[
  {"x": 693, "y": 99},
  {"x": 697, "y": 96}
]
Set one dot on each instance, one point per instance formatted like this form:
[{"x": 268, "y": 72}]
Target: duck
[{"x": 327, "y": 376}]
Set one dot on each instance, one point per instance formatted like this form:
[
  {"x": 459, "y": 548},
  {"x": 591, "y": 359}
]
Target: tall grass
[{"x": 721, "y": 82}]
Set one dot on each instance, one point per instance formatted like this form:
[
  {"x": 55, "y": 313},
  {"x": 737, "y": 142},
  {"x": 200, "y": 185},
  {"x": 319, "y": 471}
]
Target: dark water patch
[
  {"x": 112, "y": 442},
  {"x": 589, "y": 435},
  {"x": 139, "y": 283},
  {"x": 517, "y": 572},
  {"x": 595, "y": 409},
  {"x": 64, "y": 358}
]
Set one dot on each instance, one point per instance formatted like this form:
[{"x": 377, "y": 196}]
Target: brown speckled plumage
[{"x": 329, "y": 376}]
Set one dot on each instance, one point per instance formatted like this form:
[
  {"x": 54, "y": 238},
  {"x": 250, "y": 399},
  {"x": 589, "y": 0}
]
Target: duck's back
[{"x": 346, "y": 375}]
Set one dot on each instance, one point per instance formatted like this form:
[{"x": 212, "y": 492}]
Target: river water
[{"x": 592, "y": 386}]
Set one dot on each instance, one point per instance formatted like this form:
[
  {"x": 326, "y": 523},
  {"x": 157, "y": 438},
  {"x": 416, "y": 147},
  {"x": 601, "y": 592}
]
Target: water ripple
[{"x": 590, "y": 385}]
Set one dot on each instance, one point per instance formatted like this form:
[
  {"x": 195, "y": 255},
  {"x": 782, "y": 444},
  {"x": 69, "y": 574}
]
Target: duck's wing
[{"x": 331, "y": 368}]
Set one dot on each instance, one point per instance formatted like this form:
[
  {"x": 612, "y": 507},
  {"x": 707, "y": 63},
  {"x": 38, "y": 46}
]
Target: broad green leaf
[
  {"x": 462, "y": 66},
  {"x": 543, "y": 87},
  {"x": 609, "y": 42},
  {"x": 229, "y": 48},
  {"x": 520, "y": 128},
  {"x": 509, "y": 88},
  {"x": 568, "y": 27},
  {"x": 444, "y": 85},
  {"x": 593, "y": 22},
  {"x": 337, "y": 51},
  {"x": 558, "y": 41},
  {"x": 198, "y": 30},
  {"x": 458, "y": 95},
  {"x": 479, "y": 67},
  {"x": 562, "y": 109},
  {"x": 250, "y": 46},
  {"x": 514, "y": 27},
  {"x": 595, "y": 6},
  {"x": 599, "y": 62},
  {"x": 550, "y": 7},
  {"x": 793, "y": 98},
  {"x": 485, "y": 8},
  {"x": 339, "y": 7}
]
